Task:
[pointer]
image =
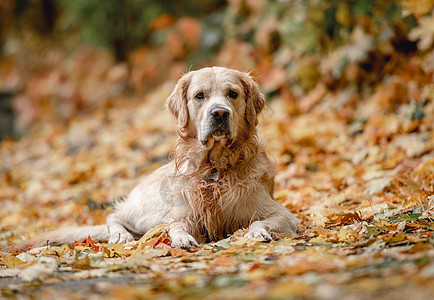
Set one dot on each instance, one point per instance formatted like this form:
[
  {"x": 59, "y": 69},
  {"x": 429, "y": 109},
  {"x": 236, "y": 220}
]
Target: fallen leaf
[
  {"x": 12, "y": 262},
  {"x": 36, "y": 272},
  {"x": 117, "y": 250},
  {"x": 373, "y": 230},
  {"x": 377, "y": 185},
  {"x": 224, "y": 260},
  {"x": 424, "y": 32}
]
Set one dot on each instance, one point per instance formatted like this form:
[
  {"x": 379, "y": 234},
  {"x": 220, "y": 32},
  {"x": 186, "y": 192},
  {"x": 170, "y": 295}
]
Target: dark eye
[
  {"x": 233, "y": 94},
  {"x": 199, "y": 96}
]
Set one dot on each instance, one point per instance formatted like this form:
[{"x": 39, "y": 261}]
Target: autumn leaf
[
  {"x": 116, "y": 250},
  {"x": 394, "y": 238},
  {"x": 11, "y": 261},
  {"x": 424, "y": 32},
  {"x": 62, "y": 250},
  {"x": 36, "y": 272},
  {"x": 345, "y": 219},
  {"x": 82, "y": 262},
  {"x": 224, "y": 260},
  {"x": 87, "y": 244}
]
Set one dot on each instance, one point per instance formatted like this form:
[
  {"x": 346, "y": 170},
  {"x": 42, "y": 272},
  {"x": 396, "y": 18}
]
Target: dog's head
[{"x": 216, "y": 105}]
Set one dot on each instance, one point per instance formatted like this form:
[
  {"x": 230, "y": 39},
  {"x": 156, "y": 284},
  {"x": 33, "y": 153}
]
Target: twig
[
  {"x": 370, "y": 204},
  {"x": 251, "y": 219}
]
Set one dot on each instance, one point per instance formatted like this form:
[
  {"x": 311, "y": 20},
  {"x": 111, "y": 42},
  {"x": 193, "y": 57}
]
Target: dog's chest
[
  {"x": 224, "y": 197},
  {"x": 223, "y": 211}
]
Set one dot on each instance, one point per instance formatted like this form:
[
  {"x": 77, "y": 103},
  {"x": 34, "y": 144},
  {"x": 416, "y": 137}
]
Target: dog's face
[{"x": 216, "y": 105}]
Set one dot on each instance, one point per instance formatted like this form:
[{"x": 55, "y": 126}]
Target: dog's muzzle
[
  {"x": 218, "y": 124},
  {"x": 219, "y": 114}
]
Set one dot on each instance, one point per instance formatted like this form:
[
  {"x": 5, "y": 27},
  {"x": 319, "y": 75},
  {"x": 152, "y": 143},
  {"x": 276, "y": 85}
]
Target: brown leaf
[
  {"x": 345, "y": 219},
  {"x": 418, "y": 247}
]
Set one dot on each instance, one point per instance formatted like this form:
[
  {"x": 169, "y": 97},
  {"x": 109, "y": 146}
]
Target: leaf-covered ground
[
  {"x": 363, "y": 190},
  {"x": 351, "y": 132}
]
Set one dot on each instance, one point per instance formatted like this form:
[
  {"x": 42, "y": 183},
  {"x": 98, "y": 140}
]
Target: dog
[{"x": 220, "y": 179}]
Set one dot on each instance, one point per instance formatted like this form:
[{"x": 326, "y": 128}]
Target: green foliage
[
  {"x": 124, "y": 25},
  {"x": 120, "y": 25},
  {"x": 351, "y": 31},
  {"x": 315, "y": 24}
]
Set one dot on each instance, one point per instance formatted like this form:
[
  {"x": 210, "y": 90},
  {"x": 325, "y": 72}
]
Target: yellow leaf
[
  {"x": 82, "y": 263},
  {"x": 154, "y": 232},
  {"x": 61, "y": 250},
  {"x": 347, "y": 234},
  {"x": 318, "y": 219},
  {"x": 118, "y": 250},
  {"x": 12, "y": 262}
]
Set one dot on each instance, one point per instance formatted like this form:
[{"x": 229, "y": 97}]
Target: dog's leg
[
  {"x": 280, "y": 221},
  {"x": 258, "y": 230},
  {"x": 180, "y": 237},
  {"x": 118, "y": 233}
]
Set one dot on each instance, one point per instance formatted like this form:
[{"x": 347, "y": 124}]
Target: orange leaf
[
  {"x": 89, "y": 243},
  {"x": 224, "y": 260},
  {"x": 176, "y": 252}
]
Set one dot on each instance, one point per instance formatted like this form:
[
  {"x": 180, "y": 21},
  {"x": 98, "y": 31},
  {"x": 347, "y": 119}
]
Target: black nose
[{"x": 219, "y": 113}]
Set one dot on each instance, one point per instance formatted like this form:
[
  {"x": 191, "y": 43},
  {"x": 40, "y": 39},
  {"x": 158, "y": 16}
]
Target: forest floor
[{"x": 357, "y": 170}]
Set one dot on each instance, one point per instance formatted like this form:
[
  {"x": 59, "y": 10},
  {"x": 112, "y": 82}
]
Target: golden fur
[{"x": 221, "y": 178}]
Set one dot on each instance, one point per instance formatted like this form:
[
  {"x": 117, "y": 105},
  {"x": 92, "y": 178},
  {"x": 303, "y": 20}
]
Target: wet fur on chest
[
  {"x": 221, "y": 198},
  {"x": 216, "y": 207}
]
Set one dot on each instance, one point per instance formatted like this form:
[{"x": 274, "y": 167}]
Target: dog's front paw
[
  {"x": 120, "y": 237},
  {"x": 183, "y": 240},
  {"x": 258, "y": 232}
]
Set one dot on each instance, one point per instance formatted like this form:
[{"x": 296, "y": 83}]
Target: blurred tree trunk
[
  {"x": 37, "y": 15},
  {"x": 7, "y": 115}
]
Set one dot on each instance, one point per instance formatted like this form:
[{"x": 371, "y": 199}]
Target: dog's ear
[
  {"x": 255, "y": 100},
  {"x": 177, "y": 102}
]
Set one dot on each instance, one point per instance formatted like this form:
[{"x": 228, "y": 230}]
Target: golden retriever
[{"x": 221, "y": 178}]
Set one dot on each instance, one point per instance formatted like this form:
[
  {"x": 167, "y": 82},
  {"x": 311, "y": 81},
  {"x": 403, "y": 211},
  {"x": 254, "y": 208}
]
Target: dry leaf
[{"x": 424, "y": 32}]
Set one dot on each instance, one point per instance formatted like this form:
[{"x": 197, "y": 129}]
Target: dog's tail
[{"x": 66, "y": 236}]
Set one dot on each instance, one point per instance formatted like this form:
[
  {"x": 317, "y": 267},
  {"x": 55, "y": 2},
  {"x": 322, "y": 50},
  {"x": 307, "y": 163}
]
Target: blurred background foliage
[{"x": 293, "y": 46}]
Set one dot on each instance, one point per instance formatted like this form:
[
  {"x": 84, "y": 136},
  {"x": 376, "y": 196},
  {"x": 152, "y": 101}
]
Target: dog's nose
[{"x": 219, "y": 113}]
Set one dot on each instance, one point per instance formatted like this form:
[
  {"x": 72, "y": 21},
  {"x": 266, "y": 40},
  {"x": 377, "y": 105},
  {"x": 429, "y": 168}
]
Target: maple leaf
[
  {"x": 424, "y": 32},
  {"x": 87, "y": 243}
]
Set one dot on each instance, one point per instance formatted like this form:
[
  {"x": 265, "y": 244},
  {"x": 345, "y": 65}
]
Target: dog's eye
[
  {"x": 233, "y": 94},
  {"x": 199, "y": 96}
]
